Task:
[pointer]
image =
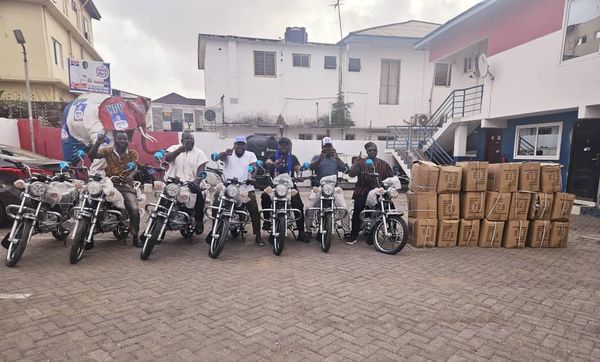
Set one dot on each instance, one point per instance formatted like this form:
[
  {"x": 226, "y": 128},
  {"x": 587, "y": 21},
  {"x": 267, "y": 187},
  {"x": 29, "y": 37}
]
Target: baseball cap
[
  {"x": 326, "y": 141},
  {"x": 240, "y": 139}
]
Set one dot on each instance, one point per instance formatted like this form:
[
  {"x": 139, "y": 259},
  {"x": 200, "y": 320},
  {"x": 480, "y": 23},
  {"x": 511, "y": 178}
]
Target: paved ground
[{"x": 350, "y": 304}]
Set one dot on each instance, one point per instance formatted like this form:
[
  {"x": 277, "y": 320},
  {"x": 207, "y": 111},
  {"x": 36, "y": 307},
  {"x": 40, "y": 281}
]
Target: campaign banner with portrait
[{"x": 89, "y": 76}]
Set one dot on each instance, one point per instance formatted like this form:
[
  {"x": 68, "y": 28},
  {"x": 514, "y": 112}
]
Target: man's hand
[
  {"x": 229, "y": 151},
  {"x": 101, "y": 138}
]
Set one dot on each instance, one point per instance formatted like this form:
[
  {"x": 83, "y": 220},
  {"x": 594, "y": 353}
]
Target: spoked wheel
[
  {"x": 325, "y": 237},
  {"x": 396, "y": 238},
  {"x": 217, "y": 244},
  {"x": 150, "y": 241},
  {"x": 279, "y": 241},
  {"x": 15, "y": 250},
  {"x": 78, "y": 242}
]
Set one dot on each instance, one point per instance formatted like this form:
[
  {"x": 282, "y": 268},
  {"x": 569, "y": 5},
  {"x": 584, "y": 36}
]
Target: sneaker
[
  {"x": 259, "y": 241},
  {"x": 303, "y": 238},
  {"x": 199, "y": 229},
  {"x": 136, "y": 242},
  {"x": 266, "y": 226},
  {"x": 350, "y": 240}
]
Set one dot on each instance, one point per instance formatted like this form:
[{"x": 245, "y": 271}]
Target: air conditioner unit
[{"x": 213, "y": 115}]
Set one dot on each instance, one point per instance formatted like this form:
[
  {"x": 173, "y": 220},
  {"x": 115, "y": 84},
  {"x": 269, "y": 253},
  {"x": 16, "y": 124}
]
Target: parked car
[{"x": 9, "y": 194}]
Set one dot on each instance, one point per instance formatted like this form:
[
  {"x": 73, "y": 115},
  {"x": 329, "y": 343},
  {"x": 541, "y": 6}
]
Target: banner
[{"x": 89, "y": 76}]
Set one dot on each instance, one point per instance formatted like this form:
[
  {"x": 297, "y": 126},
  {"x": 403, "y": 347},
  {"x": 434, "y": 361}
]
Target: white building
[{"x": 263, "y": 84}]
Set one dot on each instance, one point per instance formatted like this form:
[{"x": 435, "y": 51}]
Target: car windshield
[{"x": 21, "y": 155}]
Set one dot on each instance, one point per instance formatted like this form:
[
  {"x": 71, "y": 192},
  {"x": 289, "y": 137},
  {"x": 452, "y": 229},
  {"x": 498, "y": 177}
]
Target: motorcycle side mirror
[
  {"x": 214, "y": 156},
  {"x": 159, "y": 155},
  {"x": 305, "y": 166},
  {"x": 131, "y": 166},
  {"x": 369, "y": 162},
  {"x": 202, "y": 175},
  {"x": 260, "y": 163},
  {"x": 81, "y": 154},
  {"x": 63, "y": 165},
  {"x": 250, "y": 168}
]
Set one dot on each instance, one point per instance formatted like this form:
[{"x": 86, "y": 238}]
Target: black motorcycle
[{"x": 45, "y": 205}]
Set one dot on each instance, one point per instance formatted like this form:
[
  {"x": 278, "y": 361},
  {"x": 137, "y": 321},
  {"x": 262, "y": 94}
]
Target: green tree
[{"x": 340, "y": 113}]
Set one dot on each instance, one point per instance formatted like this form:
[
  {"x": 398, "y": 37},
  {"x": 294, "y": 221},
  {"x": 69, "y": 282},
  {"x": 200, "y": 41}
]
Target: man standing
[
  {"x": 328, "y": 163},
  {"x": 117, "y": 158},
  {"x": 185, "y": 161},
  {"x": 236, "y": 163},
  {"x": 365, "y": 183},
  {"x": 280, "y": 162}
]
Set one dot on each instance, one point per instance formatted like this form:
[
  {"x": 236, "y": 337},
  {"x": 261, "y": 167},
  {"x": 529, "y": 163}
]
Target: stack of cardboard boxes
[{"x": 488, "y": 205}]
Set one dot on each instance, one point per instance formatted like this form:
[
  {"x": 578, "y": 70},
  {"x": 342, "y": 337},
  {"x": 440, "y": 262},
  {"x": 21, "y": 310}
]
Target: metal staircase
[{"x": 417, "y": 140}]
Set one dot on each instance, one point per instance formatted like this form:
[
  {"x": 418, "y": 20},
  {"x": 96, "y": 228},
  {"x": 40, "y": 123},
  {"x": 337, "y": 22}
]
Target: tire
[
  {"x": 60, "y": 233},
  {"x": 216, "y": 245},
  {"x": 279, "y": 242},
  {"x": 396, "y": 225},
  {"x": 326, "y": 236},
  {"x": 187, "y": 232},
  {"x": 15, "y": 251},
  {"x": 121, "y": 232},
  {"x": 151, "y": 240},
  {"x": 78, "y": 243}
]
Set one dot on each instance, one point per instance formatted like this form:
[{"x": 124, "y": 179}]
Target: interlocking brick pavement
[{"x": 350, "y": 304}]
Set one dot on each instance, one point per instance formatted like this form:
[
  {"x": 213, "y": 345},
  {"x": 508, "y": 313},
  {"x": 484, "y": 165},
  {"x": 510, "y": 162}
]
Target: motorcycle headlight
[
  {"x": 393, "y": 193},
  {"x": 94, "y": 188},
  {"x": 38, "y": 189},
  {"x": 172, "y": 190},
  {"x": 327, "y": 189},
  {"x": 232, "y": 191},
  {"x": 281, "y": 190}
]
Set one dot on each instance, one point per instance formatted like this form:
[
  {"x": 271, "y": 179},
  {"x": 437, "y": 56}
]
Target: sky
[{"x": 152, "y": 44}]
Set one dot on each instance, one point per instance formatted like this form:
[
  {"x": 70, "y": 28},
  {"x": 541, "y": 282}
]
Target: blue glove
[{"x": 63, "y": 165}]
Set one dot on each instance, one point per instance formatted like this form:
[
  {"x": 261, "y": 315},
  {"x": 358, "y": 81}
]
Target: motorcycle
[
  {"x": 381, "y": 222},
  {"x": 282, "y": 217},
  {"x": 101, "y": 209},
  {"x": 229, "y": 215},
  {"x": 324, "y": 218},
  {"x": 45, "y": 205},
  {"x": 173, "y": 210}
]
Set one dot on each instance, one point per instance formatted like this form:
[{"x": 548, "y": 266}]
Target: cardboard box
[
  {"x": 538, "y": 235},
  {"x": 448, "y": 206},
  {"x": 550, "y": 178},
  {"x": 422, "y": 205},
  {"x": 449, "y": 179},
  {"x": 529, "y": 177},
  {"x": 422, "y": 232},
  {"x": 540, "y": 207},
  {"x": 559, "y": 233},
  {"x": 473, "y": 205},
  {"x": 491, "y": 234},
  {"x": 447, "y": 232},
  {"x": 497, "y": 205},
  {"x": 519, "y": 206},
  {"x": 562, "y": 205},
  {"x": 503, "y": 177},
  {"x": 474, "y": 175},
  {"x": 423, "y": 177},
  {"x": 468, "y": 233},
  {"x": 515, "y": 233}
]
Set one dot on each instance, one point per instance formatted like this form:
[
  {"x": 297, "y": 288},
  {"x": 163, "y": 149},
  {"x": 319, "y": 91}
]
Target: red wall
[
  {"x": 505, "y": 24},
  {"x": 48, "y": 143}
]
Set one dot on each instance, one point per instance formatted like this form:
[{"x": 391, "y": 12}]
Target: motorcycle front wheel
[
  {"x": 15, "y": 250},
  {"x": 326, "y": 236},
  {"x": 78, "y": 242},
  {"x": 279, "y": 241},
  {"x": 217, "y": 244},
  {"x": 395, "y": 240},
  {"x": 150, "y": 241}
]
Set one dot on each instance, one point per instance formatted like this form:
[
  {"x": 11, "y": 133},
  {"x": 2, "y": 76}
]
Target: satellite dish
[{"x": 482, "y": 66}]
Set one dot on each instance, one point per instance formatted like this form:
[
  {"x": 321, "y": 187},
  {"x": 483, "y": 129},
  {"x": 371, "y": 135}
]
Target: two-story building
[
  {"x": 54, "y": 31},
  {"x": 289, "y": 86},
  {"x": 175, "y": 112},
  {"x": 539, "y": 78}
]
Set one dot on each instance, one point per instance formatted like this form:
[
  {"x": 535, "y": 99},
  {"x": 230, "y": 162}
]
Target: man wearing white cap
[
  {"x": 326, "y": 164},
  {"x": 236, "y": 163}
]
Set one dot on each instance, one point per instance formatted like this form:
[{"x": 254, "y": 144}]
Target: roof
[
  {"x": 250, "y": 39},
  {"x": 91, "y": 9},
  {"x": 174, "y": 98},
  {"x": 408, "y": 29},
  {"x": 453, "y": 22}
]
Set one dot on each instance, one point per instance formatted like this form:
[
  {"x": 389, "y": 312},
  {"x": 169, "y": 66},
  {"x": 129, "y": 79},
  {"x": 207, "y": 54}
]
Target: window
[
  {"x": 583, "y": 17},
  {"x": 86, "y": 29},
  {"x": 264, "y": 63},
  {"x": 305, "y": 136},
  {"x": 350, "y": 137},
  {"x": 442, "y": 74},
  {"x": 354, "y": 64},
  {"x": 389, "y": 81},
  {"x": 301, "y": 60},
  {"x": 468, "y": 64},
  {"x": 167, "y": 116},
  {"x": 321, "y": 136},
  {"x": 58, "y": 55},
  {"x": 188, "y": 118},
  {"x": 382, "y": 138},
  {"x": 330, "y": 62},
  {"x": 538, "y": 141}
]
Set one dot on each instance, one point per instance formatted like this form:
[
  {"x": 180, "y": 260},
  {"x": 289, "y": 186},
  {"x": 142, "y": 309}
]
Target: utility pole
[
  {"x": 21, "y": 40},
  {"x": 337, "y": 6}
]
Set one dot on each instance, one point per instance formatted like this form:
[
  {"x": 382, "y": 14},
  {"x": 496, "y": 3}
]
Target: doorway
[
  {"x": 493, "y": 145},
  {"x": 584, "y": 168}
]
